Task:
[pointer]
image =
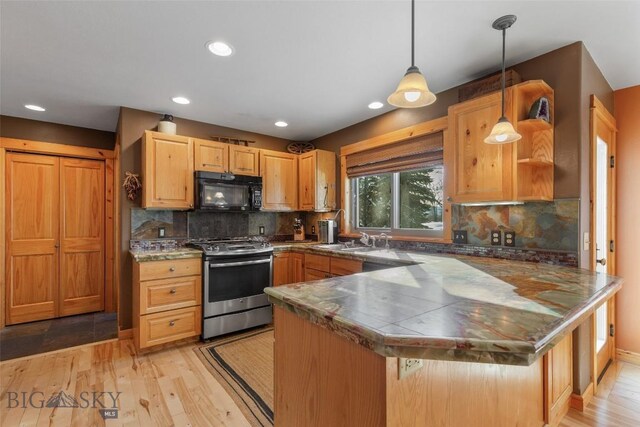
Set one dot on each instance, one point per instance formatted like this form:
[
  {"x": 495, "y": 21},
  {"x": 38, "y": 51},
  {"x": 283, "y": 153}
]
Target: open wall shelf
[{"x": 534, "y": 156}]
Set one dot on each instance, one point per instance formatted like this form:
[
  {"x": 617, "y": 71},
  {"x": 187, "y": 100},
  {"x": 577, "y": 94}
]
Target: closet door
[
  {"x": 82, "y": 236},
  {"x": 32, "y": 237}
]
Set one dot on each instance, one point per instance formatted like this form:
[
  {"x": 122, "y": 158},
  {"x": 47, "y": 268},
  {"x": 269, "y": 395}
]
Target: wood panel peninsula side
[{"x": 493, "y": 338}]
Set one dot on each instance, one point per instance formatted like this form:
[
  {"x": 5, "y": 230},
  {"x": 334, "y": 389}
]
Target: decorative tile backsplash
[
  {"x": 544, "y": 225},
  {"x": 195, "y": 225},
  {"x": 551, "y": 226},
  {"x": 146, "y": 223}
]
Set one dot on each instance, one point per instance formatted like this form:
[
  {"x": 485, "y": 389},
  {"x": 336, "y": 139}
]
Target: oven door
[
  {"x": 219, "y": 196},
  {"x": 236, "y": 284}
]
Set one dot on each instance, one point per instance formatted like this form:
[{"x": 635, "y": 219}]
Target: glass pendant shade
[
  {"x": 412, "y": 91},
  {"x": 502, "y": 133}
]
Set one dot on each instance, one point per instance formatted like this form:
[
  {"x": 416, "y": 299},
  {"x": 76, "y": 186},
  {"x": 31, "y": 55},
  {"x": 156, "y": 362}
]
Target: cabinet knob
[
  {"x": 172, "y": 291},
  {"x": 449, "y": 199},
  {"x": 172, "y": 323},
  {"x": 172, "y": 269}
]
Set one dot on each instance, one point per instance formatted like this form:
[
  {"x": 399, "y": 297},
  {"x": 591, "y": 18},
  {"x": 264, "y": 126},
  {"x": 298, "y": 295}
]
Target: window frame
[{"x": 394, "y": 220}]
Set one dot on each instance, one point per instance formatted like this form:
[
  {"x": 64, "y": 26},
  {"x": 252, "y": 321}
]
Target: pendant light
[
  {"x": 503, "y": 132},
  {"x": 412, "y": 91}
]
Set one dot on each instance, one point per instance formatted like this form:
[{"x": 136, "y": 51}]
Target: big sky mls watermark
[{"x": 106, "y": 402}]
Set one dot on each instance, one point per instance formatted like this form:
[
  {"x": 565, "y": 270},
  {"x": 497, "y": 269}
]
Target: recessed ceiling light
[
  {"x": 34, "y": 107},
  {"x": 220, "y": 48},
  {"x": 376, "y": 105},
  {"x": 180, "y": 100},
  {"x": 281, "y": 124}
]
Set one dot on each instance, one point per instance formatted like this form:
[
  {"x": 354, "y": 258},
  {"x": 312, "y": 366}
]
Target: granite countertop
[
  {"x": 449, "y": 307},
  {"x": 178, "y": 253}
]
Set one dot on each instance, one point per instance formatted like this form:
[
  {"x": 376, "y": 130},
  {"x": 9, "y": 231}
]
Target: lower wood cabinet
[
  {"x": 288, "y": 267},
  {"x": 167, "y": 298},
  {"x": 558, "y": 380},
  {"x": 321, "y": 266}
]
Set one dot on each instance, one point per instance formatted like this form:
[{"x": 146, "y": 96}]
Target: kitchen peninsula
[{"x": 493, "y": 336}]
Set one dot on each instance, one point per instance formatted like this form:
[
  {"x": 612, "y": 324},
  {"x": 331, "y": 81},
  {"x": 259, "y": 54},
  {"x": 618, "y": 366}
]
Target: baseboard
[
  {"x": 125, "y": 334},
  {"x": 580, "y": 401},
  {"x": 628, "y": 356}
]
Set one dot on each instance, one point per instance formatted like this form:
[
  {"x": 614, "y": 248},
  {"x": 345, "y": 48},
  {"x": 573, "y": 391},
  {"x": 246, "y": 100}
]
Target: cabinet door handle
[
  {"x": 172, "y": 269},
  {"x": 172, "y": 291},
  {"x": 172, "y": 323}
]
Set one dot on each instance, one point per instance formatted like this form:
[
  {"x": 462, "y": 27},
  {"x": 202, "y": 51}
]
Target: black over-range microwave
[{"x": 228, "y": 192}]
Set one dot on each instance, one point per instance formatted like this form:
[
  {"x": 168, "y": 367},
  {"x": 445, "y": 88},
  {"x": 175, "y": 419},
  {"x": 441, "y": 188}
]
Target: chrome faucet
[
  {"x": 386, "y": 239},
  {"x": 365, "y": 239}
]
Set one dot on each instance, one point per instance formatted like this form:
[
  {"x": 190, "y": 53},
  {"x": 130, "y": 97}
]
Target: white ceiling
[{"x": 314, "y": 64}]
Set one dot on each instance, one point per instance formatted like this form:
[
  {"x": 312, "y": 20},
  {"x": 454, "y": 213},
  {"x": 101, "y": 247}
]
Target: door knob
[{"x": 602, "y": 261}]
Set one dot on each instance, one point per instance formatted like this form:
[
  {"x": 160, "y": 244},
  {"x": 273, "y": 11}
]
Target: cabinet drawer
[
  {"x": 160, "y": 328},
  {"x": 343, "y": 267},
  {"x": 169, "y": 294},
  {"x": 317, "y": 262},
  {"x": 311, "y": 274},
  {"x": 153, "y": 270}
]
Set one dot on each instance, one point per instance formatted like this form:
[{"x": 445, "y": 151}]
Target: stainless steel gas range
[{"x": 235, "y": 273}]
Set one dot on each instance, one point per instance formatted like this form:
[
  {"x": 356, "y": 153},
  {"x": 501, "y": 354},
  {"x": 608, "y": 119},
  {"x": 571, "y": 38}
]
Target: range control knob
[{"x": 216, "y": 248}]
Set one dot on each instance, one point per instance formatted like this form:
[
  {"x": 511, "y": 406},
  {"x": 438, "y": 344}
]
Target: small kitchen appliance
[{"x": 328, "y": 229}]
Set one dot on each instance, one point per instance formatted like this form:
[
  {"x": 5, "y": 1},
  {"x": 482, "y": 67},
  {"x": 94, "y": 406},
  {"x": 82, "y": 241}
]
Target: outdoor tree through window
[{"x": 403, "y": 202}]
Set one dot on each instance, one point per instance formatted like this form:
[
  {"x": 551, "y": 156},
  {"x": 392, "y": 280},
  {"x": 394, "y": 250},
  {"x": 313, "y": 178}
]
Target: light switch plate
[
  {"x": 261, "y": 230},
  {"x": 496, "y": 238},
  {"x": 407, "y": 367},
  {"x": 460, "y": 236},
  {"x": 510, "y": 238}
]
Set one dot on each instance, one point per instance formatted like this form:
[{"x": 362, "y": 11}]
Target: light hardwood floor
[
  {"x": 617, "y": 402},
  {"x": 163, "y": 388},
  {"x": 172, "y": 387}
]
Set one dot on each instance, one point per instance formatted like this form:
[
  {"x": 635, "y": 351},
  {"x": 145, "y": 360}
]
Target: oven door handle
[{"x": 237, "y": 264}]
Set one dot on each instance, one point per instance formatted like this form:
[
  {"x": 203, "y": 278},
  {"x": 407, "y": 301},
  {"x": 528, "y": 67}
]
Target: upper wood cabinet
[
  {"x": 520, "y": 171},
  {"x": 167, "y": 171},
  {"x": 481, "y": 172},
  {"x": 534, "y": 152},
  {"x": 279, "y": 172},
  {"x": 211, "y": 156},
  {"x": 244, "y": 160},
  {"x": 317, "y": 186}
]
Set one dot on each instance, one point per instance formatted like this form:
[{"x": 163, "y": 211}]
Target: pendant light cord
[
  {"x": 413, "y": 32},
  {"x": 504, "y": 34}
]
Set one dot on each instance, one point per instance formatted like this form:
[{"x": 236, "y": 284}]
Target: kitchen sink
[{"x": 359, "y": 249}]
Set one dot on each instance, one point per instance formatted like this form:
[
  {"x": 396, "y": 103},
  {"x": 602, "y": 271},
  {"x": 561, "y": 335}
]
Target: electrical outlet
[
  {"x": 510, "y": 238},
  {"x": 408, "y": 366},
  {"x": 459, "y": 236},
  {"x": 313, "y": 229},
  {"x": 496, "y": 238},
  {"x": 261, "y": 230},
  {"x": 161, "y": 231}
]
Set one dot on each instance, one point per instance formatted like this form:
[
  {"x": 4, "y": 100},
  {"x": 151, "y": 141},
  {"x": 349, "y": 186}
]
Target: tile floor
[{"x": 48, "y": 335}]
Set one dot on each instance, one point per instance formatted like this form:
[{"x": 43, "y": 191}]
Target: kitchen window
[{"x": 401, "y": 203}]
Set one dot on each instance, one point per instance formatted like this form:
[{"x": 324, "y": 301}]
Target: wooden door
[
  {"x": 482, "y": 172},
  {"x": 307, "y": 182},
  {"x": 167, "y": 171},
  {"x": 281, "y": 269},
  {"x": 32, "y": 237},
  {"x": 279, "y": 180},
  {"x": 81, "y": 236},
  {"x": 211, "y": 156},
  {"x": 603, "y": 205},
  {"x": 244, "y": 160}
]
